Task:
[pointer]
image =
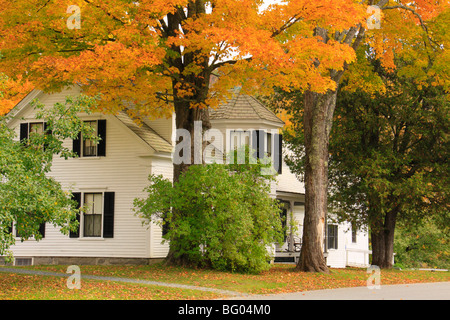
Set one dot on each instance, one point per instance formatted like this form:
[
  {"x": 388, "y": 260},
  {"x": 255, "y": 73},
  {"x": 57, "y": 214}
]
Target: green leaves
[{"x": 219, "y": 216}]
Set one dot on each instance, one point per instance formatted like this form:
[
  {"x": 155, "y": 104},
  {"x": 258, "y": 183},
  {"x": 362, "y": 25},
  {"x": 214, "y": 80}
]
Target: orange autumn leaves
[
  {"x": 11, "y": 92},
  {"x": 125, "y": 50}
]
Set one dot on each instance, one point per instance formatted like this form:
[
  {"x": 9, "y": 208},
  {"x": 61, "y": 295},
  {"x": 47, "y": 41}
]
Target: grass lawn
[{"x": 280, "y": 278}]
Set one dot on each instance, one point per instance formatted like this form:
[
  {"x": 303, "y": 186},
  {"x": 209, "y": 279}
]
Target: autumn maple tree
[{"x": 411, "y": 31}]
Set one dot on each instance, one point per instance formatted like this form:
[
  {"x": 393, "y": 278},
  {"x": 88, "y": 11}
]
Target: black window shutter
[
  {"x": 76, "y": 196},
  {"x": 10, "y": 228},
  {"x": 76, "y": 145},
  {"x": 23, "y": 131},
  {"x": 101, "y": 130},
  {"x": 42, "y": 229},
  {"x": 278, "y": 153},
  {"x": 166, "y": 224},
  {"x": 47, "y": 132},
  {"x": 261, "y": 142},
  {"x": 255, "y": 143},
  {"x": 258, "y": 138},
  {"x": 108, "y": 215}
]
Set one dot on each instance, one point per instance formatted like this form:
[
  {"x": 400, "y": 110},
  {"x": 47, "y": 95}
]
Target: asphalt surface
[{"x": 417, "y": 291}]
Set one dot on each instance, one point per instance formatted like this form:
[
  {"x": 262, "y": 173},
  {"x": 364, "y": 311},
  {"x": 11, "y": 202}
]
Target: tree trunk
[
  {"x": 318, "y": 114},
  {"x": 382, "y": 239},
  {"x": 195, "y": 121}
]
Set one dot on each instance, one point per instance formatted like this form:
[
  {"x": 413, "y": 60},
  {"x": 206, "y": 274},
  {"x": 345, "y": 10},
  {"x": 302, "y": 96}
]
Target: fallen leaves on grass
[
  {"x": 279, "y": 279},
  {"x": 24, "y": 287}
]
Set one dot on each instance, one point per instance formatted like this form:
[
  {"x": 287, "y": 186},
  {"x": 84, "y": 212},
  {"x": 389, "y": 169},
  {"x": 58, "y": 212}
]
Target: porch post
[{"x": 291, "y": 231}]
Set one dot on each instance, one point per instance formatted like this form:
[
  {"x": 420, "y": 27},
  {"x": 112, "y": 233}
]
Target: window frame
[
  {"x": 241, "y": 141},
  {"x": 30, "y": 124},
  {"x": 333, "y": 237},
  {"x": 83, "y": 141},
  {"x": 82, "y": 226}
]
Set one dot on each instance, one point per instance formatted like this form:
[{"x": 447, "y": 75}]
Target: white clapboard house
[{"x": 110, "y": 175}]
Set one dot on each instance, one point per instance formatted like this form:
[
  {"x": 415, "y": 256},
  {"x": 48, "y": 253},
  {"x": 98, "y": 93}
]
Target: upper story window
[
  {"x": 87, "y": 147},
  {"x": 263, "y": 142},
  {"x": 36, "y": 128},
  {"x": 239, "y": 139},
  {"x": 28, "y": 129}
]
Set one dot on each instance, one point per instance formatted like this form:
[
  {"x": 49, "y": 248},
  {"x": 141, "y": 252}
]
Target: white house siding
[
  {"x": 124, "y": 170},
  {"x": 349, "y": 253},
  {"x": 163, "y": 166}
]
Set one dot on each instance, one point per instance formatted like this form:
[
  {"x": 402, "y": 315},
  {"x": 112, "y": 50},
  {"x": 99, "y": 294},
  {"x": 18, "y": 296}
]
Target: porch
[{"x": 288, "y": 252}]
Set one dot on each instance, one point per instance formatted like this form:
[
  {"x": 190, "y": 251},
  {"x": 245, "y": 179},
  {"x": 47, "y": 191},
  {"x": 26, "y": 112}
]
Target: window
[
  {"x": 18, "y": 234},
  {"x": 97, "y": 220},
  {"x": 89, "y": 146},
  {"x": 269, "y": 145},
  {"x": 36, "y": 128},
  {"x": 239, "y": 139},
  {"x": 332, "y": 236},
  {"x": 27, "y": 130},
  {"x": 92, "y": 218}
]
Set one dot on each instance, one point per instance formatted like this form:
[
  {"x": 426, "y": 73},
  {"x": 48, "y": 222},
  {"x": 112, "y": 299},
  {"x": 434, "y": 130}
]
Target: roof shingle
[{"x": 243, "y": 107}]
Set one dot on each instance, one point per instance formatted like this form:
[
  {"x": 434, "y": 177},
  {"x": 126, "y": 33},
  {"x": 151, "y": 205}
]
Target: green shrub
[{"x": 218, "y": 216}]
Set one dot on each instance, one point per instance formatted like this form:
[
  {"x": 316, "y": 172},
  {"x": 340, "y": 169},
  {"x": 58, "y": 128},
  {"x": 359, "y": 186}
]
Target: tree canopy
[{"x": 151, "y": 53}]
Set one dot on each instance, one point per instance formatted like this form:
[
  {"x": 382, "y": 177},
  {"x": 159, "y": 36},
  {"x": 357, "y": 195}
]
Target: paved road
[{"x": 418, "y": 291}]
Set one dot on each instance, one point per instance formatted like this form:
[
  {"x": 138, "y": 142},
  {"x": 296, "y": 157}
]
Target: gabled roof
[
  {"x": 144, "y": 132},
  {"x": 147, "y": 134},
  {"x": 243, "y": 107}
]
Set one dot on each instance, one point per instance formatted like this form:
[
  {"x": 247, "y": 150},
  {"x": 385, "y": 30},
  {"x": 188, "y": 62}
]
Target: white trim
[{"x": 23, "y": 104}]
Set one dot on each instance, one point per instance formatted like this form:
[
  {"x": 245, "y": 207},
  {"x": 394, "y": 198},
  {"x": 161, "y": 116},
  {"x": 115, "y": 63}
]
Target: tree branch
[
  {"x": 106, "y": 12},
  {"x": 422, "y": 23},
  {"x": 223, "y": 63}
]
